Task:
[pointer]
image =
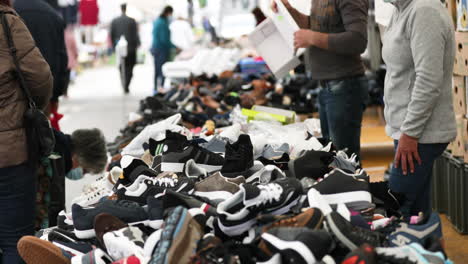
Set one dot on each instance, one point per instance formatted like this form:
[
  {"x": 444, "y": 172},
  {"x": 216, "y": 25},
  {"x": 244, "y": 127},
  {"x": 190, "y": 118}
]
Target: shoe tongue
[{"x": 250, "y": 191}]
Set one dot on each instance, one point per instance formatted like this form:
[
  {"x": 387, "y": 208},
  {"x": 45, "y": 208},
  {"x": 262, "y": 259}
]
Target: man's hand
[
  {"x": 274, "y": 7},
  {"x": 407, "y": 154},
  {"x": 303, "y": 38}
]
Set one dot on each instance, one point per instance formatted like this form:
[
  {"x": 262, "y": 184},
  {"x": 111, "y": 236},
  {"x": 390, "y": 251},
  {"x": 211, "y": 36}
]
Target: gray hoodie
[{"x": 419, "y": 50}]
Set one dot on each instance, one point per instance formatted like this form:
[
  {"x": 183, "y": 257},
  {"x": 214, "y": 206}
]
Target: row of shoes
[{"x": 218, "y": 200}]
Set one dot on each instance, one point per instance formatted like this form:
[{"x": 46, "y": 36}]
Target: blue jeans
[
  {"x": 417, "y": 186},
  {"x": 17, "y": 208},
  {"x": 341, "y": 106},
  {"x": 160, "y": 57}
]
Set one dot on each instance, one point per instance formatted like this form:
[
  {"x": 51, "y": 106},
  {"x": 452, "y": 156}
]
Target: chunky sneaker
[
  {"x": 125, "y": 242},
  {"x": 343, "y": 162},
  {"x": 107, "y": 181},
  {"x": 239, "y": 157},
  {"x": 153, "y": 187},
  {"x": 238, "y": 213},
  {"x": 266, "y": 175},
  {"x": 128, "y": 212},
  {"x": 104, "y": 223},
  {"x": 178, "y": 150},
  {"x": 311, "y": 218},
  {"x": 312, "y": 164},
  {"x": 34, "y": 250},
  {"x": 173, "y": 199},
  {"x": 132, "y": 169},
  {"x": 96, "y": 256},
  {"x": 406, "y": 233},
  {"x": 341, "y": 187},
  {"x": 217, "y": 188},
  {"x": 193, "y": 171},
  {"x": 296, "y": 245},
  {"x": 179, "y": 238},
  {"x": 93, "y": 197},
  {"x": 352, "y": 237}
]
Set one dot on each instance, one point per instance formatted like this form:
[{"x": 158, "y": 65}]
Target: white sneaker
[
  {"x": 232, "y": 133},
  {"x": 125, "y": 242},
  {"x": 91, "y": 198},
  {"x": 266, "y": 175},
  {"x": 107, "y": 181}
]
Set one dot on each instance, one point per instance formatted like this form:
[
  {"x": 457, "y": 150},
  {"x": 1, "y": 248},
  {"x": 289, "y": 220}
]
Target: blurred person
[
  {"x": 127, "y": 27},
  {"x": 259, "y": 15},
  {"x": 182, "y": 34},
  {"x": 190, "y": 12},
  {"x": 419, "y": 50},
  {"x": 47, "y": 28},
  {"x": 335, "y": 35},
  {"x": 84, "y": 151},
  {"x": 162, "y": 45},
  {"x": 72, "y": 53},
  {"x": 17, "y": 175},
  {"x": 208, "y": 27}
]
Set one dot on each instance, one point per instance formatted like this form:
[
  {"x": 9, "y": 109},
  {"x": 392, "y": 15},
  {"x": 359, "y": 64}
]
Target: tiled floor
[{"x": 377, "y": 153}]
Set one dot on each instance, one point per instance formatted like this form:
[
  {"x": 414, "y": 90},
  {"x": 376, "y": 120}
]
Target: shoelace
[
  {"x": 166, "y": 182},
  {"x": 270, "y": 193}
]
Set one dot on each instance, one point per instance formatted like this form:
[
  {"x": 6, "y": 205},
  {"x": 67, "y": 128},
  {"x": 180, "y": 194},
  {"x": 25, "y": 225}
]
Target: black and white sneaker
[
  {"x": 155, "y": 187},
  {"x": 193, "y": 171},
  {"x": 239, "y": 157},
  {"x": 132, "y": 169},
  {"x": 129, "y": 212},
  {"x": 178, "y": 150},
  {"x": 296, "y": 245},
  {"x": 266, "y": 175},
  {"x": 238, "y": 213},
  {"x": 341, "y": 187}
]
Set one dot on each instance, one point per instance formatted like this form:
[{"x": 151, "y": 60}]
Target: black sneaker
[
  {"x": 239, "y": 157},
  {"x": 238, "y": 213},
  {"x": 386, "y": 198},
  {"x": 340, "y": 187},
  {"x": 128, "y": 212},
  {"x": 178, "y": 150},
  {"x": 152, "y": 187},
  {"x": 296, "y": 245},
  {"x": 173, "y": 199},
  {"x": 132, "y": 169},
  {"x": 352, "y": 237},
  {"x": 312, "y": 164}
]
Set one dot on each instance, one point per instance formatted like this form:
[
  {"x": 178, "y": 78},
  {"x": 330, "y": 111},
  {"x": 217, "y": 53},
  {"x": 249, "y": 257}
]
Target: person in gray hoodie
[{"x": 419, "y": 50}]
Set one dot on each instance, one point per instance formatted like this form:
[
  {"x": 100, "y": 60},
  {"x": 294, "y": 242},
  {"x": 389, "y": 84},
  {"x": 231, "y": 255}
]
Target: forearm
[
  {"x": 320, "y": 40},
  {"x": 302, "y": 20}
]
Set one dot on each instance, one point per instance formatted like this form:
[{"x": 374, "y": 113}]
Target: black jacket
[
  {"x": 127, "y": 26},
  {"x": 47, "y": 28}
]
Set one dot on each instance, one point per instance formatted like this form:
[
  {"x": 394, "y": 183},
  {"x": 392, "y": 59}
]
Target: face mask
[
  {"x": 170, "y": 19},
  {"x": 75, "y": 174}
]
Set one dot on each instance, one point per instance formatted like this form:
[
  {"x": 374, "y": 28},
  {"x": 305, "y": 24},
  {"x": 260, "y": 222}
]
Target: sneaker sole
[
  {"x": 179, "y": 167},
  {"x": 354, "y": 200},
  {"x": 236, "y": 230},
  {"x": 338, "y": 235},
  {"x": 293, "y": 251},
  {"x": 34, "y": 250},
  {"x": 215, "y": 195}
]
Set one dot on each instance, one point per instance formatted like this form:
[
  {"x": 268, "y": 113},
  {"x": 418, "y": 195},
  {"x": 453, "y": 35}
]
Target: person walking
[
  {"x": 48, "y": 30},
  {"x": 162, "y": 45},
  {"x": 17, "y": 175},
  {"x": 127, "y": 27},
  {"x": 335, "y": 34},
  {"x": 419, "y": 51}
]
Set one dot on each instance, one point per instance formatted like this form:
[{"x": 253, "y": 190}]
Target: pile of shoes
[{"x": 233, "y": 198}]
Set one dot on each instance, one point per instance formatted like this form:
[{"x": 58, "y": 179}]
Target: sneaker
[
  {"x": 107, "y": 181},
  {"x": 271, "y": 152},
  {"x": 341, "y": 187},
  {"x": 192, "y": 170},
  {"x": 129, "y": 260},
  {"x": 217, "y": 188},
  {"x": 178, "y": 150},
  {"x": 65, "y": 220},
  {"x": 179, "y": 238},
  {"x": 37, "y": 251},
  {"x": 96, "y": 256},
  {"x": 128, "y": 212},
  {"x": 73, "y": 248},
  {"x": 232, "y": 133},
  {"x": 173, "y": 199},
  {"x": 313, "y": 164},
  {"x": 216, "y": 144},
  {"x": 155, "y": 213},
  {"x": 406, "y": 233},
  {"x": 267, "y": 174},
  {"x": 350, "y": 236},
  {"x": 93, "y": 197},
  {"x": 411, "y": 254},
  {"x": 104, "y": 223},
  {"x": 311, "y": 218},
  {"x": 296, "y": 245},
  {"x": 132, "y": 169},
  {"x": 387, "y": 198},
  {"x": 239, "y": 157},
  {"x": 345, "y": 163},
  {"x": 153, "y": 187},
  {"x": 238, "y": 214},
  {"x": 125, "y": 242}
]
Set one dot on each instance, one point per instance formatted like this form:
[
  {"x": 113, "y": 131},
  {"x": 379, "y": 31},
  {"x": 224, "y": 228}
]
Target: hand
[
  {"x": 274, "y": 7},
  {"x": 303, "y": 38},
  {"x": 407, "y": 153}
]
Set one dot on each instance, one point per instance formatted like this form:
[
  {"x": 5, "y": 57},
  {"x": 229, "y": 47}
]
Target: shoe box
[
  {"x": 449, "y": 185},
  {"x": 459, "y": 94},
  {"x": 461, "y": 54}
]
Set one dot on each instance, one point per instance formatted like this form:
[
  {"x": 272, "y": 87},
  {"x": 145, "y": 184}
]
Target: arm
[
  {"x": 36, "y": 71},
  {"x": 354, "y": 40},
  {"x": 62, "y": 78},
  {"x": 302, "y": 20},
  {"x": 427, "y": 40}
]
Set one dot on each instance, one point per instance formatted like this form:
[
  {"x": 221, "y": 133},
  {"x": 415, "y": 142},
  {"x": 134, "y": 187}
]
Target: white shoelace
[
  {"x": 270, "y": 193},
  {"x": 166, "y": 182}
]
